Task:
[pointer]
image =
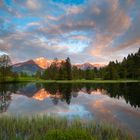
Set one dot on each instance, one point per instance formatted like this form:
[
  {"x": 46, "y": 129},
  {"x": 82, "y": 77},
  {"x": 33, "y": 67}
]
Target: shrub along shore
[{"x": 50, "y": 128}]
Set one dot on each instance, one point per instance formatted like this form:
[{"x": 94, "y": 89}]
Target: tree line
[
  {"x": 59, "y": 70},
  {"x": 66, "y": 71},
  {"x": 129, "y": 68}
]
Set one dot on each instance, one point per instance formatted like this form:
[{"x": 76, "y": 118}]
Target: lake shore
[
  {"x": 59, "y": 129},
  {"x": 10, "y": 80}
]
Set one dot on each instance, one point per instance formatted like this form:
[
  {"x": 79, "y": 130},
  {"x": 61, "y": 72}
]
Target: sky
[{"x": 96, "y": 31}]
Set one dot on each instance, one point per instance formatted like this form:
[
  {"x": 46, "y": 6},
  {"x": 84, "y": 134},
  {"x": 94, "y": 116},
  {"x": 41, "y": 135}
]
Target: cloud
[
  {"x": 132, "y": 37},
  {"x": 74, "y": 10},
  {"x": 114, "y": 23},
  {"x": 80, "y": 37},
  {"x": 53, "y": 18},
  {"x": 1, "y": 3},
  {"x": 95, "y": 31},
  {"x": 33, "y": 24},
  {"x": 33, "y": 4}
]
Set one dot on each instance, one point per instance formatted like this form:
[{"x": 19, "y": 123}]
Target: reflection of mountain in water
[
  {"x": 43, "y": 94},
  {"x": 64, "y": 92},
  {"x": 4, "y": 98}
]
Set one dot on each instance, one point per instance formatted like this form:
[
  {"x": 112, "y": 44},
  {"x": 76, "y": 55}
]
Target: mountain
[
  {"x": 44, "y": 63},
  {"x": 88, "y": 65},
  {"x": 29, "y": 67},
  {"x": 32, "y": 66}
]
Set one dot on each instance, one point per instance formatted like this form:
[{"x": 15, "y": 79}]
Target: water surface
[{"x": 118, "y": 104}]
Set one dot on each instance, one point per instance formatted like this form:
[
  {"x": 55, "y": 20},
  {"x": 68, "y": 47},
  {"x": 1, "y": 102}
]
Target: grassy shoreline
[
  {"x": 10, "y": 80},
  {"x": 92, "y": 81},
  {"x": 50, "y": 128}
]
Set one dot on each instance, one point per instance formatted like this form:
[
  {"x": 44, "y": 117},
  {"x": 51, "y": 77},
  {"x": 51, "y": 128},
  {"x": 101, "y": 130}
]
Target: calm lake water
[{"x": 118, "y": 104}]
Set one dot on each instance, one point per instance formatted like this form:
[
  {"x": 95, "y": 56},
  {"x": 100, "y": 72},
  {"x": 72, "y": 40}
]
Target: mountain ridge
[
  {"x": 45, "y": 63},
  {"x": 41, "y": 63},
  {"x": 29, "y": 67}
]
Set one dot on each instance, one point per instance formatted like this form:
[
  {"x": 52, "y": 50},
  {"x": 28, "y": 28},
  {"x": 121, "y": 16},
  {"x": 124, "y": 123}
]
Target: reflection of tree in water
[
  {"x": 64, "y": 92},
  {"x": 4, "y": 98},
  {"x": 129, "y": 91},
  {"x": 74, "y": 94},
  {"x": 88, "y": 88},
  {"x": 4, "y": 102},
  {"x": 5, "y": 94},
  {"x": 60, "y": 92},
  {"x": 55, "y": 100}
]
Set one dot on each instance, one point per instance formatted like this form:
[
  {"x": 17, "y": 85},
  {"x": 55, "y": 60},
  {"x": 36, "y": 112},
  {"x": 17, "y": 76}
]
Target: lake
[{"x": 117, "y": 104}]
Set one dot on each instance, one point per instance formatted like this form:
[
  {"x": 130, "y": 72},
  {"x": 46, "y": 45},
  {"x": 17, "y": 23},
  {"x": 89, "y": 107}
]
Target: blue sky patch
[{"x": 70, "y": 2}]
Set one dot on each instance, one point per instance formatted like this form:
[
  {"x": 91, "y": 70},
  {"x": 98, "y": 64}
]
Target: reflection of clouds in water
[
  {"x": 87, "y": 98},
  {"x": 22, "y": 105},
  {"x": 86, "y": 106},
  {"x": 76, "y": 111},
  {"x": 103, "y": 104},
  {"x": 116, "y": 112},
  {"x": 99, "y": 104}
]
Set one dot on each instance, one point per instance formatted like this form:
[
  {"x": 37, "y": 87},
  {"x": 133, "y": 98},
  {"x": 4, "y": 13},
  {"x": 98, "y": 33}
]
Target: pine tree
[
  {"x": 68, "y": 69},
  {"x": 5, "y": 67}
]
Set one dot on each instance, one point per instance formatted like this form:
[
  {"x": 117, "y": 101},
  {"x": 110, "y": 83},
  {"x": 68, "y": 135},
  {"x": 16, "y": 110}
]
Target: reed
[{"x": 50, "y": 128}]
